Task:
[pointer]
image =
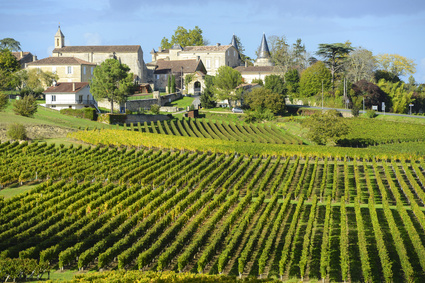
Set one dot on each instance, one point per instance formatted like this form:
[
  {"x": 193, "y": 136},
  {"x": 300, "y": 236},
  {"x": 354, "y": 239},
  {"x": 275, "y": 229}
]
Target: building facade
[
  {"x": 163, "y": 69},
  {"x": 213, "y": 57},
  {"x": 68, "y": 69},
  {"x": 131, "y": 55},
  {"x": 69, "y": 95},
  {"x": 24, "y": 58}
]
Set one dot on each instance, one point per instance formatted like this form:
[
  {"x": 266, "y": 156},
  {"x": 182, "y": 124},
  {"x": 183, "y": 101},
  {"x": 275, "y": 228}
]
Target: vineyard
[
  {"x": 217, "y": 130},
  {"x": 303, "y": 216}
]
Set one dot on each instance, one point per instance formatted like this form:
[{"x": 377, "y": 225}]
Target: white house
[{"x": 69, "y": 95}]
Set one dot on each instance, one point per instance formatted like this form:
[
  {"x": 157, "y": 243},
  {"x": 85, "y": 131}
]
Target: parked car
[{"x": 237, "y": 110}]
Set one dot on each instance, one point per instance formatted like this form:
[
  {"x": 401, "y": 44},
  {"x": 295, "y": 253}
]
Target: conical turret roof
[
  {"x": 264, "y": 48},
  {"x": 234, "y": 42}
]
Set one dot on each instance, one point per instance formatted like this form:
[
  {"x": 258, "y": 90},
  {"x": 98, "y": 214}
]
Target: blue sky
[{"x": 381, "y": 26}]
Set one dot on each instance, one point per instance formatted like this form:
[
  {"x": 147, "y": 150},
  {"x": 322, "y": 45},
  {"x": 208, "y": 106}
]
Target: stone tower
[
  {"x": 59, "y": 38},
  {"x": 264, "y": 58}
]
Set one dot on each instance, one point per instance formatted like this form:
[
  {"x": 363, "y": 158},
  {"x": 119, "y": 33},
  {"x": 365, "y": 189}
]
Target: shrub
[
  {"x": 26, "y": 106},
  {"x": 155, "y": 108},
  {"x": 85, "y": 113},
  {"x": 370, "y": 114},
  {"x": 17, "y": 131}
]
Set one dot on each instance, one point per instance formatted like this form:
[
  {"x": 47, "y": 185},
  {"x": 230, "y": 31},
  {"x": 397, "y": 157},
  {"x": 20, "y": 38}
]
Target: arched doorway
[{"x": 197, "y": 88}]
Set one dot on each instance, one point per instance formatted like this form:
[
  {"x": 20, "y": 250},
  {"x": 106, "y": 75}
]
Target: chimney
[
  {"x": 34, "y": 58},
  {"x": 73, "y": 86},
  {"x": 218, "y": 44},
  {"x": 159, "y": 49},
  {"x": 246, "y": 64},
  {"x": 22, "y": 54}
]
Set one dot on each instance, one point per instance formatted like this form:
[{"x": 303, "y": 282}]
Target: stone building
[
  {"x": 163, "y": 69},
  {"x": 68, "y": 69},
  {"x": 213, "y": 56},
  {"x": 24, "y": 58},
  {"x": 263, "y": 66},
  {"x": 131, "y": 55}
]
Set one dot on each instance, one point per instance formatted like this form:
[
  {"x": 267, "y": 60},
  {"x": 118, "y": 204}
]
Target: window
[
  {"x": 54, "y": 70},
  {"x": 69, "y": 70},
  {"x": 53, "y": 97},
  {"x": 91, "y": 70},
  {"x": 216, "y": 63},
  {"x": 234, "y": 53},
  {"x": 157, "y": 77},
  {"x": 208, "y": 63},
  {"x": 80, "y": 99},
  {"x": 84, "y": 70}
]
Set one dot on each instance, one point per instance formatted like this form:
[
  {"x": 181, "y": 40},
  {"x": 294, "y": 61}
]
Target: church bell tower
[{"x": 59, "y": 38}]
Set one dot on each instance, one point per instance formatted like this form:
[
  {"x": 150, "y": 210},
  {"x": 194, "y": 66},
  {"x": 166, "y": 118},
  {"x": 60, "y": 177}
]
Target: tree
[
  {"x": 334, "y": 56},
  {"x": 381, "y": 74},
  {"x": 4, "y": 101},
  {"x": 361, "y": 65},
  {"x": 261, "y": 98},
  {"x": 241, "y": 50},
  {"x": 10, "y": 44},
  {"x": 327, "y": 127},
  {"x": 8, "y": 65},
  {"x": 396, "y": 65},
  {"x": 169, "y": 84},
  {"x": 400, "y": 96},
  {"x": 207, "y": 96},
  {"x": 372, "y": 94},
  {"x": 173, "y": 84},
  {"x": 183, "y": 37},
  {"x": 292, "y": 81},
  {"x": 112, "y": 80},
  {"x": 276, "y": 84},
  {"x": 226, "y": 81},
  {"x": 33, "y": 81},
  {"x": 258, "y": 81},
  {"x": 26, "y": 106},
  {"x": 312, "y": 79}
]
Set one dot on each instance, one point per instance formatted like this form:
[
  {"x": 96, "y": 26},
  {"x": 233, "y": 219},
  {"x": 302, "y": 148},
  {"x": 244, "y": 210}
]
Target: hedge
[{"x": 85, "y": 113}]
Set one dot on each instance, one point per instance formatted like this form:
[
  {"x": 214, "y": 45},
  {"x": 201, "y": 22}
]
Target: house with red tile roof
[{"x": 75, "y": 95}]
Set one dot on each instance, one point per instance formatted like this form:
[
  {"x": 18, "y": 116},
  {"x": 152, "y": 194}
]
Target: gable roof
[
  {"x": 255, "y": 69},
  {"x": 20, "y": 55},
  {"x": 175, "y": 66},
  {"x": 66, "y": 87},
  {"x": 209, "y": 48},
  {"x": 60, "y": 61},
  {"x": 98, "y": 49}
]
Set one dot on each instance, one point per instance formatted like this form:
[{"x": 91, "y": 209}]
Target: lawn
[{"x": 183, "y": 102}]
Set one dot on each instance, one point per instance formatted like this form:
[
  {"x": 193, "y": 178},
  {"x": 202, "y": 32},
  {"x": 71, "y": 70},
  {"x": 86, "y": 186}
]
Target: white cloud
[{"x": 93, "y": 38}]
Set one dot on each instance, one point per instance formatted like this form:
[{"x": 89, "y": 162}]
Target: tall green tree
[
  {"x": 184, "y": 37},
  {"x": 334, "y": 56},
  {"x": 8, "y": 65},
  {"x": 226, "y": 81},
  {"x": 4, "y": 101},
  {"x": 313, "y": 78},
  {"x": 10, "y": 44},
  {"x": 292, "y": 81},
  {"x": 276, "y": 84},
  {"x": 113, "y": 81},
  {"x": 207, "y": 96}
]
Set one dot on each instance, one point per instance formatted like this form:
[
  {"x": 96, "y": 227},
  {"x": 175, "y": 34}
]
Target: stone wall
[{"x": 135, "y": 105}]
